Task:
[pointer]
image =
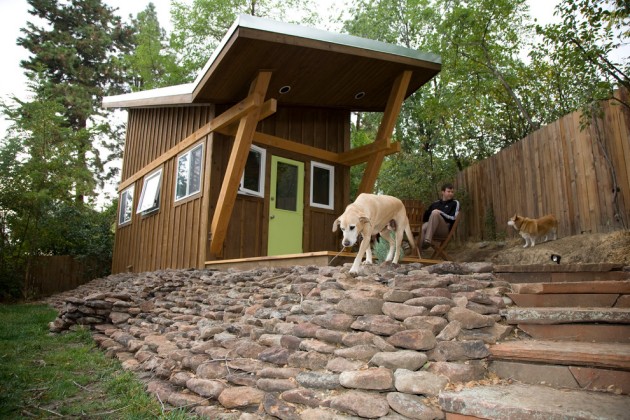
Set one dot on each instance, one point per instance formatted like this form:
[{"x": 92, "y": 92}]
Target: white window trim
[
  {"x": 261, "y": 175},
  {"x": 120, "y": 204},
  {"x": 331, "y": 190},
  {"x": 189, "y": 153},
  {"x": 156, "y": 194}
]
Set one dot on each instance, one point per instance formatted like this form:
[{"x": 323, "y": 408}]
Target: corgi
[{"x": 532, "y": 229}]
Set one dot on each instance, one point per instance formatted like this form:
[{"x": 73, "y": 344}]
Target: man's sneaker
[{"x": 426, "y": 244}]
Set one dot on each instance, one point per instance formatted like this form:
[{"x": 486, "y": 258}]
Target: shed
[{"x": 253, "y": 158}]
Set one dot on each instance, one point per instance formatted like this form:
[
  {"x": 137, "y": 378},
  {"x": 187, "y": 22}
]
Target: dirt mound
[{"x": 611, "y": 247}]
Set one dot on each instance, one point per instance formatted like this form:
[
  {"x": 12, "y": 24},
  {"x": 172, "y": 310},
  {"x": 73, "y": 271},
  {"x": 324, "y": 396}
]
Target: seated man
[{"x": 438, "y": 219}]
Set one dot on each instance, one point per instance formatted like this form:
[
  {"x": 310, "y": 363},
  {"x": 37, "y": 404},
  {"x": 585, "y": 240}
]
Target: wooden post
[
  {"x": 385, "y": 129},
  {"x": 236, "y": 164}
]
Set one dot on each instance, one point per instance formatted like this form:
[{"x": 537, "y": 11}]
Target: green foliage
[
  {"x": 199, "y": 27},
  {"x": 74, "y": 60},
  {"x": 44, "y": 374},
  {"x": 40, "y": 170},
  {"x": 489, "y": 94},
  {"x": 151, "y": 64}
]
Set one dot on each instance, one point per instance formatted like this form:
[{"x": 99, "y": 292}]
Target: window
[
  {"x": 189, "y": 168},
  {"x": 322, "y": 182},
  {"x": 126, "y": 206},
  {"x": 150, "y": 197},
  {"x": 253, "y": 180}
]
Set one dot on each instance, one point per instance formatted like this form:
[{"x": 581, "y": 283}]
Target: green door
[{"x": 286, "y": 207}]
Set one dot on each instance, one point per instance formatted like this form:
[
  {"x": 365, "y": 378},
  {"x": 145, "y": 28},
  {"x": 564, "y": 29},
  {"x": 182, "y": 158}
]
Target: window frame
[
  {"x": 189, "y": 153},
  {"x": 261, "y": 174},
  {"x": 122, "y": 203},
  {"x": 158, "y": 172},
  {"x": 331, "y": 186}
]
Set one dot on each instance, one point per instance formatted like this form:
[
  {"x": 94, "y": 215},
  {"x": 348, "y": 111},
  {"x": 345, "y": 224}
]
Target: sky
[{"x": 14, "y": 15}]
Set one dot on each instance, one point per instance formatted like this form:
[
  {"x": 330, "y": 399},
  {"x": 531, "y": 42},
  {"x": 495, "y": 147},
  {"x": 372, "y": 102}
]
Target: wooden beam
[
  {"x": 205, "y": 203},
  {"x": 394, "y": 103},
  {"x": 303, "y": 149},
  {"x": 228, "y": 117},
  {"x": 266, "y": 110},
  {"x": 236, "y": 164},
  {"x": 371, "y": 172},
  {"x": 363, "y": 153}
]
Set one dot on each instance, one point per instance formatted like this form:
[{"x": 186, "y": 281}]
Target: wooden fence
[
  {"x": 53, "y": 274},
  {"x": 583, "y": 177}
]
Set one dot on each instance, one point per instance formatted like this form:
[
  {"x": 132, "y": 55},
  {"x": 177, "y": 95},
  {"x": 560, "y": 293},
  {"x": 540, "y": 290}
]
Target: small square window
[
  {"x": 125, "y": 206},
  {"x": 150, "y": 197},
  {"x": 322, "y": 186},
  {"x": 253, "y": 180},
  {"x": 189, "y": 170}
]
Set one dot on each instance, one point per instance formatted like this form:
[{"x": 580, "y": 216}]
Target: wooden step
[
  {"x": 559, "y": 376},
  {"x": 523, "y": 402},
  {"x": 619, "y": 287},
  {"x": 606, "y": 355},
  {"x": 581, "y": 300},
  {"x": 547, "y": 273},
  {"x": 598, "y": 333},
  {"x": 547, "y": 316}
]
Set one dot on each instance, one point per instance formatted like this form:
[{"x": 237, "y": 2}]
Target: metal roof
[{"x": 312, "y": 67}]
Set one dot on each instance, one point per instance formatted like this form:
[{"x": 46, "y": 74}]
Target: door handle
[{"x": 272, "y": 216}]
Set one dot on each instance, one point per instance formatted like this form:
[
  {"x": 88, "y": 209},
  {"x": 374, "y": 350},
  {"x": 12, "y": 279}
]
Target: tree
[
  {"x": 199, "y": 27},
  {"x": 39, "y": 168},
  {"x": 151, "y": 64},
  {"x": 74, "y": 57},
  {"x": 577, "y": 52}
]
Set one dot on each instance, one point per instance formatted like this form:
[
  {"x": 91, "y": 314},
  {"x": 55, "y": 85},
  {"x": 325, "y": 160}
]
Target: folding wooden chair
[
  {"x": 439, "y": 244},
  {"x": 415, "y": 211}
]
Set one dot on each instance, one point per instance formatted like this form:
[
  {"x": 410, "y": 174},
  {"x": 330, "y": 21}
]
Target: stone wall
[{"x": 297, "y": 343}]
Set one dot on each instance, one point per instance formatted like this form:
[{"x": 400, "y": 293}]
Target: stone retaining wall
[{"x": 296, "y": 343}]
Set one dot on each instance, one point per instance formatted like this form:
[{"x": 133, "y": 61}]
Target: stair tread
[
  {"x": 610, "y": 355},
  {"x": 564, "y": 315},
  {"x": 599, "y": 287},
  {"x": 600, "y": 333},
  {"x": 564, "y": 299},
  {"x": 556, "y": 268},
  {"x": 519, "y": 401}
]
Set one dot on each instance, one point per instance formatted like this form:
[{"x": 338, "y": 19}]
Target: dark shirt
[{"x": 449, "y": 210}]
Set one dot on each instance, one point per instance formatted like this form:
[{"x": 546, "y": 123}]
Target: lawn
[{"x": 44, "y": 375}]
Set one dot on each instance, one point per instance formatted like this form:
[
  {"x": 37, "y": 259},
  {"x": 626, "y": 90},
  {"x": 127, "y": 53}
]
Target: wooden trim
[
  {"x": 236, "y": 164},
  {"x": 205, "y": 205}
]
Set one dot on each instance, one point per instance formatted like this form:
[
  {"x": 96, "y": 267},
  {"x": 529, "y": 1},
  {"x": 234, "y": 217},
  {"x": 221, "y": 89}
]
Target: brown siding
[
  {"x": 558, "y": 169},
  {"x": 321, "y": 128},
  {"x": 168, "y": 238}
]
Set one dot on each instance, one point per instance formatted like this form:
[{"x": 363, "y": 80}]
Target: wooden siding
[
  {"x": 558, "y": 169},
  {"x": 248, "y": 230},
  {"x": 168, "y": 238}
]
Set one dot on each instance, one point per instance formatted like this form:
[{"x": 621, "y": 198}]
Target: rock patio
[{"x": 297, "y": 343}]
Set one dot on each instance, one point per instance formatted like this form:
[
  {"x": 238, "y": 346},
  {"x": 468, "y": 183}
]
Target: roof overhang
[{"x": 311, "y": 66}]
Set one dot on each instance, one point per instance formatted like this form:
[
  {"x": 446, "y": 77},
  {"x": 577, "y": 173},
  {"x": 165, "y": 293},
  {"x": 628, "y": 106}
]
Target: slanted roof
[{"x": 322, "y": 69}]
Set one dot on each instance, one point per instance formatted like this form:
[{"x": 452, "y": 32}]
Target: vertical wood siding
[
  {"x": 558, "y": 169},
  {"x": 248, "y": 230},
  {"x": 168, "y": 238}
]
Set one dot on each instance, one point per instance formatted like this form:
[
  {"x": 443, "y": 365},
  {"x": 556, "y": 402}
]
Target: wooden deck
[{"x": 319, "y": 258}]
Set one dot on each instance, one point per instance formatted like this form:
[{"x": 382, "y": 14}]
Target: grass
[{"x": 44, "y": 375}]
